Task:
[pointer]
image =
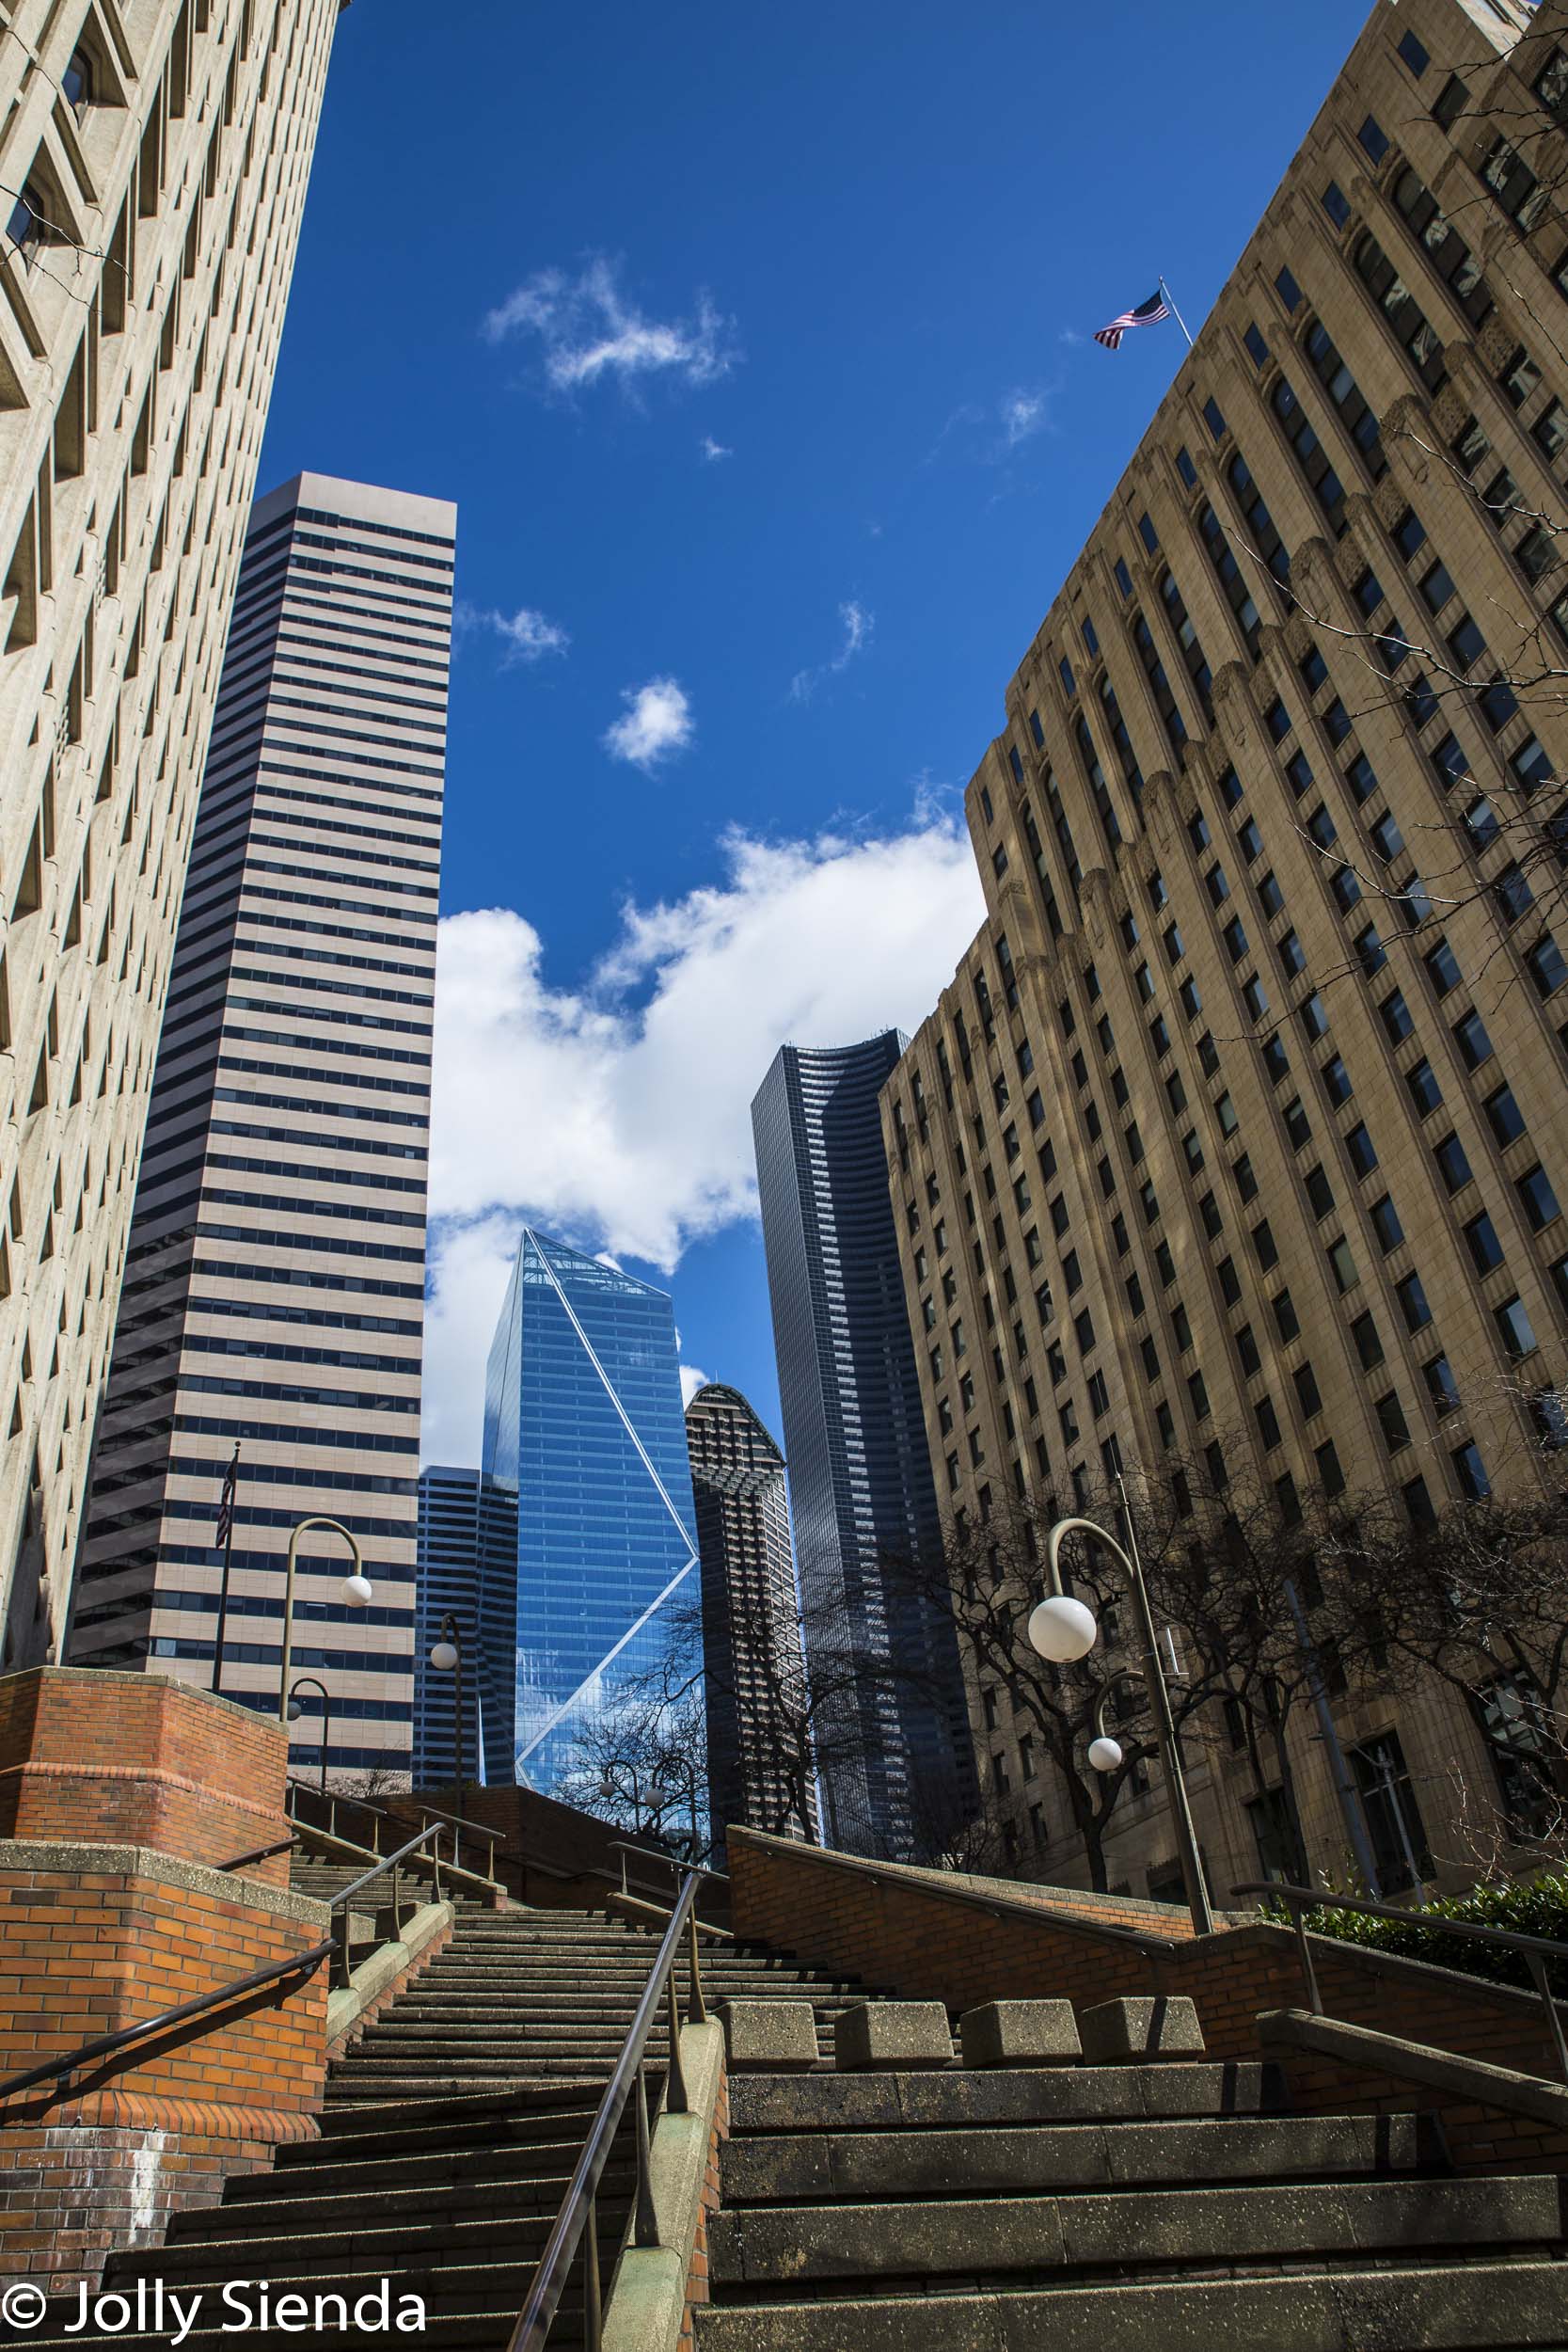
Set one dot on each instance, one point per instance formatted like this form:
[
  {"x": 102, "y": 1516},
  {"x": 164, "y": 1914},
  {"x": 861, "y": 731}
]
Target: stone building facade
[
  {"x": 1240, "y": 1132},
  {"x": 156, "y": 157}
]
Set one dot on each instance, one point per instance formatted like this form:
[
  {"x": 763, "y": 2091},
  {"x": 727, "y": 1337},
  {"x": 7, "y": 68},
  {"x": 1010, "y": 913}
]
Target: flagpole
[
  {"x": 229, "y": 1486},
  {"x": 1175, "y": 312}
]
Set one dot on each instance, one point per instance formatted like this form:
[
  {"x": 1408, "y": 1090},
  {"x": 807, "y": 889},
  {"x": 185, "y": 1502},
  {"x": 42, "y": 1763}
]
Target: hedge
[{"x": 1529, "y": 1907}]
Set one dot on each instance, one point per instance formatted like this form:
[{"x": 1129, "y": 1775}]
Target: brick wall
[
  {"x": 1480, "y": 2139},
  {"x": 138, "y": 1759},
  {"x": 902, "y": 1931},
  {"x": 697, "y": 2289},
  {"x": 93, "y": 1938}
]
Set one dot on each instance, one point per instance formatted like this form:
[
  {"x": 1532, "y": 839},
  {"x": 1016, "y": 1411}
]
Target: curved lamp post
[
  {"x": 446, "y": 1656},
  {"x": 1064, "y": 1630},
  {"x": 313, "y": 1682},
  {"x": 356, "y": 1591}
]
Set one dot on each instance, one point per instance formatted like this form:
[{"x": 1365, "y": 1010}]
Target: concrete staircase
[
  {"x": 1145, "y": 2207},
  {"x": 448, "y": 2136}
]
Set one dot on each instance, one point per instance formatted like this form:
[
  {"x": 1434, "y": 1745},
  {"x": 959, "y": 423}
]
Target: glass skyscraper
[
  {"x": 583, "y": 1426},
  {"x": 894, "y": 1749}
]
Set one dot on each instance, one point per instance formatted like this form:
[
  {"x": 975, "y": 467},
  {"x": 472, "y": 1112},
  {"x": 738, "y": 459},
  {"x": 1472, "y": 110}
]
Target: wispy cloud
[
  {"x": 1071, "y": 336},
  {"x": 525, "y": 636},
  {"x": 589, "y": 330},
  {"x": 988, "y": 434},
  {"x": 1023, "y": 415},
  {"x": 655, "y": 724},
  {"x": 857, "y": 624},
  {"x": 713, "y": 451}
]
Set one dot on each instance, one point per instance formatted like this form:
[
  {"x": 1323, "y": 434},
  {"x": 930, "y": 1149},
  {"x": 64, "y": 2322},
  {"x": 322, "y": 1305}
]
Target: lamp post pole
[
  {"x": 356, "y": 1591},
  {"x": 447, "y": 1658},
  {"x": 1064, "y": 1630},
  {"x": 314, "y": 1682}
]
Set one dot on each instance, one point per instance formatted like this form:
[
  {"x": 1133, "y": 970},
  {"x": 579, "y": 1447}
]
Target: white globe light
[
  {"x": 295, "y": 1710},
  {"x": 444, "y": 1657},
  {"x": 356, "y": 1591},
  {"x": 1104, "y": 1753},
  {"x": 1062, "y": 1631}
]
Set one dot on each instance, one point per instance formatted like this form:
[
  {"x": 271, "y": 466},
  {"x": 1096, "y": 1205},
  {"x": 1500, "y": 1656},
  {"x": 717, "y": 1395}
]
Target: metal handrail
[
  {"x": 428, "y": 1813},
  {"x": 61, "y": 2068},
  {"x": 1299, "y": 1900},
  {"x": 576, "y": 2223},
  {"x": 257, "y": 1853},
  {"x": 623, "y": 1845},
  {"x": 343, "y": 1902}
]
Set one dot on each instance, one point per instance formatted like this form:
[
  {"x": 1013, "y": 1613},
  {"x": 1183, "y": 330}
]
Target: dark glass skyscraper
[
  {"x": 583, "y": 1426},
  {"x": 859, "y": 1474},
  {"x": 461, "y": 1522}
]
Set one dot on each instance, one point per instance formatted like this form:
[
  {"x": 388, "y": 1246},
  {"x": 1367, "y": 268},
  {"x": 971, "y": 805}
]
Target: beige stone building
[
  {"x": 1242, "y": 1131},
  {"x": 154, "y": 155}
]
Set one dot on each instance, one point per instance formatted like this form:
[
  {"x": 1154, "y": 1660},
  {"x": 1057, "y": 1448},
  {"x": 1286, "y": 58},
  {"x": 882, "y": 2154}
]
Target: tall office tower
[
  {"x": 1240, "y": 1137},
  {"x": 760, "y": 1766},
  {"x": 463, "y": 1524},
  {"x": 273, "y": 1285},
  {"x": 583, "y": 1428},
  {"x": 891, "y": 1705},
  {"x": 162, "y": 159}
]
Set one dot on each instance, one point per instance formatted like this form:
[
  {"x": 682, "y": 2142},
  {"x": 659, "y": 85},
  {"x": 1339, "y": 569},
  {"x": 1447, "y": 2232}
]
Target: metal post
[
  {"x": 697, "y": 2012},
  {"x": 228, "y": 1556},
  {"x": 1537, "y": 1962},
  {"x": 314, "y": 1682},
  {"x": 676, "y": 2099},
  {"x": 1298, "y": 1920},
  {"x": 645, "y": 2230},
  {"x": 337, "y": 1529},
  {"x": 592, "y": 2306},
  {"x": 1164, "y": 1731}
]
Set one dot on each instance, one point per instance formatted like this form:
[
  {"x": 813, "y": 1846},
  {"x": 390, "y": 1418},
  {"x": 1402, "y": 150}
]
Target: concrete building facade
[
  {"x": 157, "y": 158},
  {"x": 890, "y": 1722},
  {"x": 1241, "y": 1135},
  {"x": 753, "y": 1665},
  {"x": 274, "y": 1283}
]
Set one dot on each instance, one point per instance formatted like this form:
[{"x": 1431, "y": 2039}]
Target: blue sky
[{"x": 754, "y": 347}]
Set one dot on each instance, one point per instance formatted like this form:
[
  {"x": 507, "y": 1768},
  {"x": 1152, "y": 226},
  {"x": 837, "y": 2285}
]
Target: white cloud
[
  {"x": 691, "y": 1380},
  {"x": 618, "y": 1115},
  {"x": 857, "y": 624},
  {"x": 1023, "y": 415},
  {"x": 657, "y": 722},
  {"x": 589, "y": 330},
  {"x": 525, "y": 635},
  {"x": 713, "y": 451}
]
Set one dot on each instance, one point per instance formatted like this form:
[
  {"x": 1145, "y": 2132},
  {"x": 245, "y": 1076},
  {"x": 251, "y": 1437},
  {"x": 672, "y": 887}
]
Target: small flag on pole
[
  {"x": 226, "y": 1505},
  {"x": 1147, "y": 313}
]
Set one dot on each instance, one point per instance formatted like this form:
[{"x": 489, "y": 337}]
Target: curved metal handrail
[
  {"x": 61, "y": 2068},
  {"x": 1299, "y": 1900},
  {"x": 576, "y": 2223},
  {"x": 257, "y": 1853}
]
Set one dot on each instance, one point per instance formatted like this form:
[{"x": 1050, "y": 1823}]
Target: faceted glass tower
[
  {"x": 583, "y": 1426},
  {"x": 461, "y": 1521},
  {"x": 892, "y": 1729}
]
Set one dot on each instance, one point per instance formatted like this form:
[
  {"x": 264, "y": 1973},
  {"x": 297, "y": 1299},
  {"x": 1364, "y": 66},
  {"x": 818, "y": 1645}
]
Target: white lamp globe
[
  {"x": 444, "y": 1657},
  {"x": 1104, "y": 1753},
  {"x": 1062, "y": 1631},
  {"x": 356, "y": 1591},
  {"x": 295, "y": 1710}
]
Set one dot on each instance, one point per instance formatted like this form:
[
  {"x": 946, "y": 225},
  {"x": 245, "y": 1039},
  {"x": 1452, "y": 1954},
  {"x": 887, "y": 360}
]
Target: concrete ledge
[
  {"x": 347, "y": 2004},
  {"x": 1020, "y": 2033},
  {"x": 778, "y": 2035},
  {"x": 647, "y": 2308},
  {"x": 1471, "y": 2080},
  {"x": 56, "y": 1858},
  {"x": 890, "y": 2034},
  {"x": 1115, "y": 2033}
]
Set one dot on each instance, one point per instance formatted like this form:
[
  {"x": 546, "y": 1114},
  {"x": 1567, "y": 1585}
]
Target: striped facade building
[
  {"x": 155, "y": 161},
  {"x": 274, "y": 1289},
  {"x": 1241, "y": 1137}
]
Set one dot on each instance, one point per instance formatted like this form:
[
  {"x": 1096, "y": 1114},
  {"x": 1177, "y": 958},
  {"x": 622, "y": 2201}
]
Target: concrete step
[
  {"x": 439, "y": 2172},
  {"x": 803, "y": 2167},
  {"x": 1463, "y": 2307},
  {"x": 997, "y": 2236},
  {"x": 382, "y": 2250},
  {"x": 531, "y": 2190},
  {"x": 1038, "y": 2094}
]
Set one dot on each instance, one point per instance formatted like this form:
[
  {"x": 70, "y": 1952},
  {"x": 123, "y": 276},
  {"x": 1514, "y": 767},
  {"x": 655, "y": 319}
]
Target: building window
[
  {"x": 1369, "y": 1347},
  {"x": 1470, "y": 1471},
  {"x": 1481, "y": 1238},
  {"x": 1392, "y": 1815},
  {"x": 1335, "y": 204},
  {"x": 1454, "y": 1164},
  {"x": 1412, "y": 1300},
  {"x": 1516, "y": 1329}
]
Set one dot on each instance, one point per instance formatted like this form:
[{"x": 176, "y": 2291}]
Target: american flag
[
  {"x": 1147, "y": 313},
  {"x": 226, "y": 1503}
]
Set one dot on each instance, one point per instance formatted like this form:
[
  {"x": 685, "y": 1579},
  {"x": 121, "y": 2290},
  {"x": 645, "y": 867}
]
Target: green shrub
[{"x": 1529, "y": 1907}]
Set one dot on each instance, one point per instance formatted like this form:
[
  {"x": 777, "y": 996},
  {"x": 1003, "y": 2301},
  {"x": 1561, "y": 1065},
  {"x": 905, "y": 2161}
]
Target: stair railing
[
  {"x": 377, "y": 1814},
  {"x": 576, "y": 2223},
  {"x": 343, "y": 1902},
  {"x": 257, "y": 1853},
  {"x": 1536, "y": 1950}
]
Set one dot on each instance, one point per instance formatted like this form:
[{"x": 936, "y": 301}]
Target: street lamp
[
  {"x": 447, "y": 1658},
  {"x": 356, "y": 1589},
  {"x": 1064, "y": 1630},
  {"x": 1105, "y": 1752},
  {"x": 313, "y": 1682}
]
